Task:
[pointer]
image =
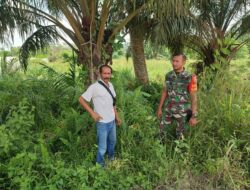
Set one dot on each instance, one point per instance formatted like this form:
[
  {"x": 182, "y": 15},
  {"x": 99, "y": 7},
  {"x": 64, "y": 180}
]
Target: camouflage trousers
[{"x": 177, "y": 113}]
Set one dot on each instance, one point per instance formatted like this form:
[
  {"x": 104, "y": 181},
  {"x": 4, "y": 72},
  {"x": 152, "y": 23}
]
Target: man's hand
[
  {"x": 118, "y": 121},
  {"x": 163, "y": 97},
  {"x": 193, "y": 121},
  {"x": 93, "y": 114},
  {"x": 159, "y": 113},
  {"x": 96, "y": 116}
]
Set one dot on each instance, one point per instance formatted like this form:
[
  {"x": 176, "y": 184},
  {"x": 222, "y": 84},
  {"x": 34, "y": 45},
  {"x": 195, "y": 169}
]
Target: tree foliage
[
  {"x": 88, "y": 27},
  {"x": 207, "y": 27}
]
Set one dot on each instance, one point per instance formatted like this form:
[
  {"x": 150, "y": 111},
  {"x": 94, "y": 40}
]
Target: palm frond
[
  {"x": 244, "y": 26},
  {"x": 53, "y": 8},
  {"x": 7, "y": 22},
  {"x": 19, "y": 16},
  {"x": 63, "y": 82},
  {"x": 172, "y": 32},
  {"x": 37, "y": 41},
  {"x": 51, "y": 72}
]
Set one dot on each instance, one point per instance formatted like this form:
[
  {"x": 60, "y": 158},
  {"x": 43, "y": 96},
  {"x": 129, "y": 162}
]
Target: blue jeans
[{"x": 106, "y": 136}]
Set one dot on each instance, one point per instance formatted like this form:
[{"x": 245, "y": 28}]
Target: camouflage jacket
[{"x": 179, "y": 86}]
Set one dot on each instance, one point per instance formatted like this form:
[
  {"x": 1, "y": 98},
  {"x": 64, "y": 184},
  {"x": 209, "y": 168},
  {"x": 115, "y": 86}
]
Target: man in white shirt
[{"x": 104, "y": 113}]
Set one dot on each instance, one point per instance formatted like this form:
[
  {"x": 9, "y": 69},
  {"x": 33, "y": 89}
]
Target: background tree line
[{"x": 210, "y": 28}]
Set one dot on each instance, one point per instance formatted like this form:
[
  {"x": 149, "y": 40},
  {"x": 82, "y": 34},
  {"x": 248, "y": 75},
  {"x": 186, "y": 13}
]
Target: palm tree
[
  {"x": 215, "y": 22},
  {"x": 138, "y": 28},
  {"x": 142, "y": 28},
  {"x": 212, "y": 28},
  {"x": 90, "y": 30}
]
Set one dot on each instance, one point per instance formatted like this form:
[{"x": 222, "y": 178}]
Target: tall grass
[{"x": 47, "y": 141}]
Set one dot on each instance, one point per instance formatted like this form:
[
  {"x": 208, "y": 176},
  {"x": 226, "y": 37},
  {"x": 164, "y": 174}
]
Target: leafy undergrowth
[{"x": 47, "y": 141}]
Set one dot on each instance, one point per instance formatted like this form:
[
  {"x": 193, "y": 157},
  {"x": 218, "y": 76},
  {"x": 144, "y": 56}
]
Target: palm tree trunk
[
  {"x": 137, "y": 49},
  {"x": 209, "y": 57},
  {"x": 91, "y": 62}
]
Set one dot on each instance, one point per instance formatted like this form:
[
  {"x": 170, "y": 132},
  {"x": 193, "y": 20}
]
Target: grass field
[
  {"x": 48, "y": 141},
  {"x": 157, "y": 69}
]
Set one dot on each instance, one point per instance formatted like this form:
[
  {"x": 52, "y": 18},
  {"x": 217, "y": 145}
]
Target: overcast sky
[{"x": 17, "y": 42}]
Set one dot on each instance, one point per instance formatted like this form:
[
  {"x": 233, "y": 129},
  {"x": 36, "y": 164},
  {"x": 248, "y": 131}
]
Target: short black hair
[
  {"x": 105, "y": 65},
  {"x": 180, "y": 54}
]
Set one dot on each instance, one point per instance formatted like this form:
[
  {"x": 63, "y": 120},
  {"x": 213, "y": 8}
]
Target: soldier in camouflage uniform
[{"x": 178, "y": 97}]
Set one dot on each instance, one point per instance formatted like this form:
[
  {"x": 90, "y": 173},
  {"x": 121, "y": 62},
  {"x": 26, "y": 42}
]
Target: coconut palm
[{"x": 87, "y": 26}]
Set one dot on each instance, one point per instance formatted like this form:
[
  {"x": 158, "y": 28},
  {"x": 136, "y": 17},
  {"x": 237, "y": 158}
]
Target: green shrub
[{"x": 47, "y": 141}]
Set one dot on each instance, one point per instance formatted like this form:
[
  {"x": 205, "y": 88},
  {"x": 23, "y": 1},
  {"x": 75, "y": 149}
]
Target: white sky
[{"x": 18, "y": 41}]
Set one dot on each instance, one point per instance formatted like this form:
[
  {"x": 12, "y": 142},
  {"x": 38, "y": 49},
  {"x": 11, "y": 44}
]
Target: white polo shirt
[{"x": 102, "y": 100}]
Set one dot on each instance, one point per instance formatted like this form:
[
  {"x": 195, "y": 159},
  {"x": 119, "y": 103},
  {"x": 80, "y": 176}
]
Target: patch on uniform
[{"x": 192, "y": 86}]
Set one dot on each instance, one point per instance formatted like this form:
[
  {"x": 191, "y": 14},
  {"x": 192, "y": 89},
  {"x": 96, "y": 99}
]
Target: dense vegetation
[{"x": 47, "y": 141}]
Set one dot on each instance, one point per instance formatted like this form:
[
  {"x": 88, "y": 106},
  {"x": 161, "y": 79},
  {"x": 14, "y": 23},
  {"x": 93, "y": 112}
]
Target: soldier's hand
[
  {"x": 96, "y": 116},
  {"x": 193, "y": 122},
  {"x": 159, "y": 113}
]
